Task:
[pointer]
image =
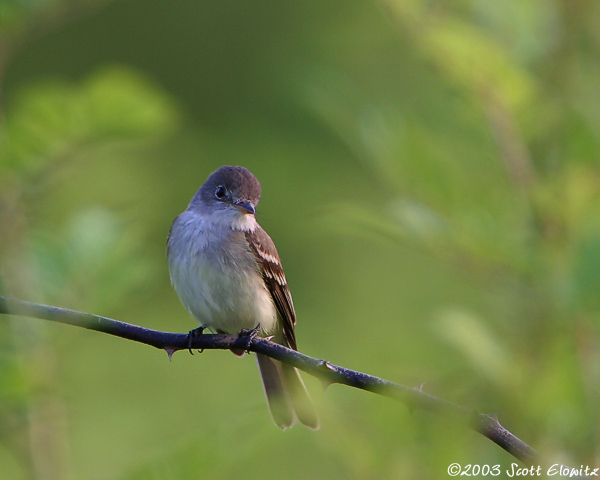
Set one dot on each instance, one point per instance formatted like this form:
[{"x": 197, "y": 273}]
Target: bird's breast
[{"x": 217, "y": 278}]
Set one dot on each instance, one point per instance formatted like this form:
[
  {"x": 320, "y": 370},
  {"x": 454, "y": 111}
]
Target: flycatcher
[{"x": 228, "y": 275}]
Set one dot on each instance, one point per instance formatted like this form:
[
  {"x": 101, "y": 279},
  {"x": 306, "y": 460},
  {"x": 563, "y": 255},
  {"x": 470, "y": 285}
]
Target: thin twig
[{"x": 487, "y": 425}]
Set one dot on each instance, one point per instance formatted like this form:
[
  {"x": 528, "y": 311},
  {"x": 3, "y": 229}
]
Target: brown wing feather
[{"x": 268, "y": 259}]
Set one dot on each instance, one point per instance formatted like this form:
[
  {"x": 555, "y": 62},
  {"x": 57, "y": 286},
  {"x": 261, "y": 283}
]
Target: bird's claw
[
  {"x": 248, "y": 335},
  {"x": 192, "y": 335}
]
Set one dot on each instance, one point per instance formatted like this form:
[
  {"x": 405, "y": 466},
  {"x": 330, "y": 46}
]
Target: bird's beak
[{"x": 245, "y": 207}]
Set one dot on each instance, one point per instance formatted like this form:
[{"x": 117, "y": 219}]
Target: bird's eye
[{"x": 220, "y": 192}]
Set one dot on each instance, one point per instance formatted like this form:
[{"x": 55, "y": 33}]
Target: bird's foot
[
  {"x": 192, "y": 335},
  {"x": 248, "y": 335}
]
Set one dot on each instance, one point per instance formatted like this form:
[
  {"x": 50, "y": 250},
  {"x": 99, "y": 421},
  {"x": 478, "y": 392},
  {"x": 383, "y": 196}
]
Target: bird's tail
[{"x": 286, "y": 394}]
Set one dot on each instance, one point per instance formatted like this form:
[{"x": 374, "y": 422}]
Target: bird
[{"x": 228, "y": 275}]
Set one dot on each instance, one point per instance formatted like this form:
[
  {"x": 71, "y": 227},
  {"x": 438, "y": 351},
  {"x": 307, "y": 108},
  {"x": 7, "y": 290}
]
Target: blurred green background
[{"x": 431, "y": 176}]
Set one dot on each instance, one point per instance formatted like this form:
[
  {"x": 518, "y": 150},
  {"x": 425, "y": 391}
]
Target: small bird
[{"x": 227, "y": 273}]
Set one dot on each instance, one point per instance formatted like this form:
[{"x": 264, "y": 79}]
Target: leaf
[{"x": 52, "y": 118}]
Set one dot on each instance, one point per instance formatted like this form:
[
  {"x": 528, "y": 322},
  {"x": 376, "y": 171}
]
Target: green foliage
[
  {"x": 94, "y": 260},
  {"x": 50, "y": 119}
]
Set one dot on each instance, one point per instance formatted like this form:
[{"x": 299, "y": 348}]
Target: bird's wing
[{"x": 270, "y": 265}]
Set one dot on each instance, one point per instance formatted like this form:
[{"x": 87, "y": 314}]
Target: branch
[{"x": 486, "y": 425}]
